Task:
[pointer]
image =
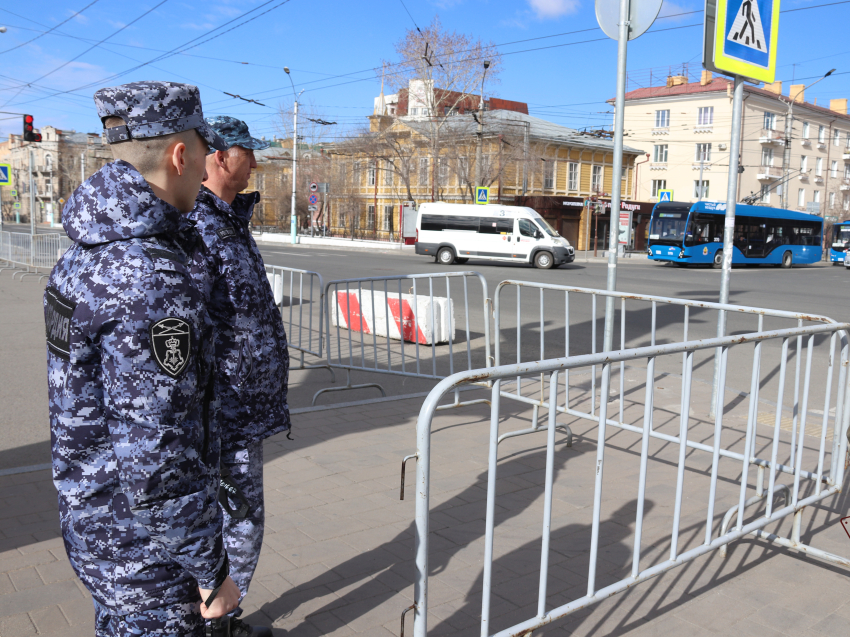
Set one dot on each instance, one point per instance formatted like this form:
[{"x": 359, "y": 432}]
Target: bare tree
[{"x": 440, "y": 69}]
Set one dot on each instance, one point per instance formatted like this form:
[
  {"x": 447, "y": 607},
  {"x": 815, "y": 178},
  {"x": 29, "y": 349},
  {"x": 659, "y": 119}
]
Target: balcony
[
  {"x": 768, "y": 173},
  {"x": 705, "y": 166},
  {"x": 768, "y": 136},
  {"x": 818, "y": 179},
  {"x": 844, "y": 184},
  {"x": 804, "y": 174},
  {"x": 662, "y": 130},
  {"x": 846, "y": 155},
  {"x": 806, "y": 143},
  {"x": 661, "y": 165}
]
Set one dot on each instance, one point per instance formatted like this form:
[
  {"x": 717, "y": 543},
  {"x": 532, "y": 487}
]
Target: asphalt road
[{"x": 821, "y": 289}]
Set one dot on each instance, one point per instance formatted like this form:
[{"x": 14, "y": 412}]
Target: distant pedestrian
[
  {"x": 251, "y": 354},
  {"x": 129, "y": 359}
]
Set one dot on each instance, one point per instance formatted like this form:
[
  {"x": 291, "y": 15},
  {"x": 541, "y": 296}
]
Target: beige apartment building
[{"x": 684, "y": 126}]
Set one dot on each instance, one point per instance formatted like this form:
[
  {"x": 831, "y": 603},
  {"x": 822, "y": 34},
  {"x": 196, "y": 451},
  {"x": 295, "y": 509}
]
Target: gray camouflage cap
[
  {"x": 151, "y": 109},
  {"x": 235, "y": 132}
]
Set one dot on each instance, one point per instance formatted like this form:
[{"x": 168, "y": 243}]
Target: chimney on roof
[
  {"x": 705, "y": 79},
  {"x": 838, "y": 106},
  {"x": 797, "y": 93},
  {"x": 676, "y": 80},
  {"x": 776, "y": 88}
]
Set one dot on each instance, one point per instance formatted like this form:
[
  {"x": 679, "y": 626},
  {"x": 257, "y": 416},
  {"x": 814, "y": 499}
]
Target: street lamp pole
[
  {"x": 789, "y": 119},
  {"x": 478, "y": 151},
  {"x": 293, "y": 227}
]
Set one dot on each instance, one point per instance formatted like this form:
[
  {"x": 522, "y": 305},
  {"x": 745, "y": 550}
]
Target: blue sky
[{"x": 568, "y": 82}]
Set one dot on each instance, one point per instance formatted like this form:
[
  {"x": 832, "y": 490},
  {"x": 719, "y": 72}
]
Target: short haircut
[{"x": 146, "y": 153}]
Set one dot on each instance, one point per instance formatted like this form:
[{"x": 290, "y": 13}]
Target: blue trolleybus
[
  {"x": 840, "y": 237},
  {"x": 685, "y": 233}
]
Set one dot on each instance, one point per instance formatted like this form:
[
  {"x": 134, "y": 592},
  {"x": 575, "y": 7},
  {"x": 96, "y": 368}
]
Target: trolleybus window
[{"x": 668, "y": 225}]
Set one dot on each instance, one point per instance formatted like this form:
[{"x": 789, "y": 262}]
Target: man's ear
[
  {"x": 221, "y": 159},
  {"x": 178, "y": 157}
]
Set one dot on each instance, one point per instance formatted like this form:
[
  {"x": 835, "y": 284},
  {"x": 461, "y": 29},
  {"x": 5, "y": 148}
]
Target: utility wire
[{"x": 71, "y": 17}]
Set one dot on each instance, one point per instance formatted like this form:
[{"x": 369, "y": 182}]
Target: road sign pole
[
  {"x": 729, "y": 226},
  {"x": 616, "y": 178}
]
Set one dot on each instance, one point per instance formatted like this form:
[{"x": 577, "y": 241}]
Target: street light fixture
[
  {"x": 2, "y": 29},
  {"x": 789, "y": 118},
  {"x": 293, "y": 227}
]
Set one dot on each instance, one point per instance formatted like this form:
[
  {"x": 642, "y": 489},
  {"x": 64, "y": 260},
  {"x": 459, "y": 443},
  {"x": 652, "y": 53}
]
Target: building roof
[
  {"x": 513, "y": 123},
  {"x": 718, "y": 85}
]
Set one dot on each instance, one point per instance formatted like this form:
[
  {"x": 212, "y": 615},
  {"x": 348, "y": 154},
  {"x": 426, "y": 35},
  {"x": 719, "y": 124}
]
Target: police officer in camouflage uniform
[
  {"x": 134, "y": 441},
  {"x": 252, "y": 359}
]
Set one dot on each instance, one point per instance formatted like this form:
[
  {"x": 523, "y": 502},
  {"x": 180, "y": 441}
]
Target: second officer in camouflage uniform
[
  {"x": 252, "y": 360},
  {"x": 129, "y": 357}
]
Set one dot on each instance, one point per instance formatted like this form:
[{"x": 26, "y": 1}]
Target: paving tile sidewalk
[{"x": 338, "y": 551}]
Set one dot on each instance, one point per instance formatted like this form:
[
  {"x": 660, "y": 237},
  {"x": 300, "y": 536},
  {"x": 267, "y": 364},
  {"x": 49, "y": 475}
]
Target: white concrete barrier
[{"x": 395, "y": 313}]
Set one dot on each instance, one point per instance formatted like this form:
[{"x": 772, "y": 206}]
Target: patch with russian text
[
  {"x": 57, "y": 323},
  {"x": 226, "y": 233}
]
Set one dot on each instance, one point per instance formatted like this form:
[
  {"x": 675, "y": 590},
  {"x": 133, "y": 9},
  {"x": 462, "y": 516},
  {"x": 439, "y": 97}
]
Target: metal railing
[
  {"x": 418, "y": 315},
  {"x": 815, "y": 477},
  {"x": 31, "y": 254},
  {"x": 298, "y": 294}
]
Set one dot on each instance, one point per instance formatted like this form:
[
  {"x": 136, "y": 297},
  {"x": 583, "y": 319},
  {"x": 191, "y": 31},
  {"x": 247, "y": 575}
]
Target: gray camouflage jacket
[
  {"x": 252, "y": 358},
  {"x": 134, "y": 442}
]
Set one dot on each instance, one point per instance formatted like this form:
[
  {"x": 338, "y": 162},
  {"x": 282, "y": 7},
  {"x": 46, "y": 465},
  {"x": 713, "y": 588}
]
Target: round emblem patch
[{"x": 171, "y": 340}]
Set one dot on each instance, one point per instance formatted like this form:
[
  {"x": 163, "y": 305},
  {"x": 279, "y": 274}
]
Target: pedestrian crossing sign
[
  {"x": 5, "y": 174},
  {"x": 741, "y": 38},
  {"x": 665, "y": 195},
  {"x": 482, "y": 195}
]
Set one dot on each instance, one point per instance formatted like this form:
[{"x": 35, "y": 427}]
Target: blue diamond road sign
[
  {"x": 482, "y": 195},
  {"x": 5, "y": 174}
]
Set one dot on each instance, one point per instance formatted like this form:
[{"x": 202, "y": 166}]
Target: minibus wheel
[
  {"x": 445, "y": 256},
  {"x": 787, "y": 260},
  {"x": 543, "y": 260}
]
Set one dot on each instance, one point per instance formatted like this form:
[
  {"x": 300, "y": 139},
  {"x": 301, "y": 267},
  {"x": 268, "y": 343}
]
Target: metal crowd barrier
[
  {"x": 29, "y": 254},
  {"x": 812, "y": 476},
  {"x": 574, "y": 337},
  {"x": 418, "y": 315},
  {"x": 293, "y": 289}
]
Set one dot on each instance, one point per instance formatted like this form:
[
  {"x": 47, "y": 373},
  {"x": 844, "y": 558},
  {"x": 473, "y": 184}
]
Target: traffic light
[{"x": 29, "y": 134}]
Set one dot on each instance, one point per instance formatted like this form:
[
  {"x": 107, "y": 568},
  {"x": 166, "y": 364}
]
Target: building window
[
  {"x": 817, "y": 196},
  {"x": 805, "y": 130},
  {"x": 386, "y": 221},
  {"x": 662, "y": 119},
  {"x": 831, "y": 199},
  {"x": 767, "y": 157},
  {"x": 658, "y": 184},
  {"x": 356, "y": 173},
  {"x": 370, "y": 217},
  {"x": 821, "y": 134},
  {"x": 596, "y": 179},
  {"x": 819, "y": 167},
  {"x": 836, "y": 137},
  {"x": 548, "y": 174},
  {"x": 697, "y": 189},
  {"x": 660, "y": 154},
  {"x": 834, "y": 170},
  {"x": 463, "y": 176},
  {"x": 804, "y": 163},
  {"x": 388, "y": 174},
  {"x": 413, "y": 111},
  {"x": 703, "y": 152},
  {"x": 423, "y": 171},
  {"x": 769, "y": 121},
  {"x": 48, "y": 162},
  {"x": 765, "y": 194},
  {"x": 370, "y": 175},
  {"x": 846, "y": 205},
  {"x": 572, "y": 176},
  {"x": 705, "y": 116},
  {"x": 801, "y": 198},
  {"x": 846, "y": 171},
  {"x": 443, "y": 170}
]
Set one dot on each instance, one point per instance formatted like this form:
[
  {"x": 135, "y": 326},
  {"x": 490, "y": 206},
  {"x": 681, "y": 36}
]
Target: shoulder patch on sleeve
[
  {"x": 57, "y": 323},
  {"x": 159, "y": 253},
  {"x": 226, "y": 233},
  {"x": 171, "y": 340}
]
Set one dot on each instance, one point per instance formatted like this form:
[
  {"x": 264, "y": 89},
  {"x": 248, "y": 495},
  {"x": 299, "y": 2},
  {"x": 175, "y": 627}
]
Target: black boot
[{"x": 239, "y": 628}]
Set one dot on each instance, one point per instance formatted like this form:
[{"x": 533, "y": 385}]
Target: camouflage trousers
[
  {"x": 183, "y": 620},
  {"x": 243, "y": 538}
]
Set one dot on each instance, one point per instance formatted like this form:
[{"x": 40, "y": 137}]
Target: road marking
[{"x": 293, "y": 254}]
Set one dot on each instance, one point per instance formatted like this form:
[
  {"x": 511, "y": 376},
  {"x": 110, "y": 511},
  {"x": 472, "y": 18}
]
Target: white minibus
[{"x": 455, "y": 233}]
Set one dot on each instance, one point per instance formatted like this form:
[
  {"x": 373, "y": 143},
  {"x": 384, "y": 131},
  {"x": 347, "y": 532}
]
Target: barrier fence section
[
  {"x": 812, "y": 476},
  {"x": 576, "y": 334},
  {"x": 406, "y": 325},
  {"x": 293, "y": 290},
  {"x": 29, "y": 253}
]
